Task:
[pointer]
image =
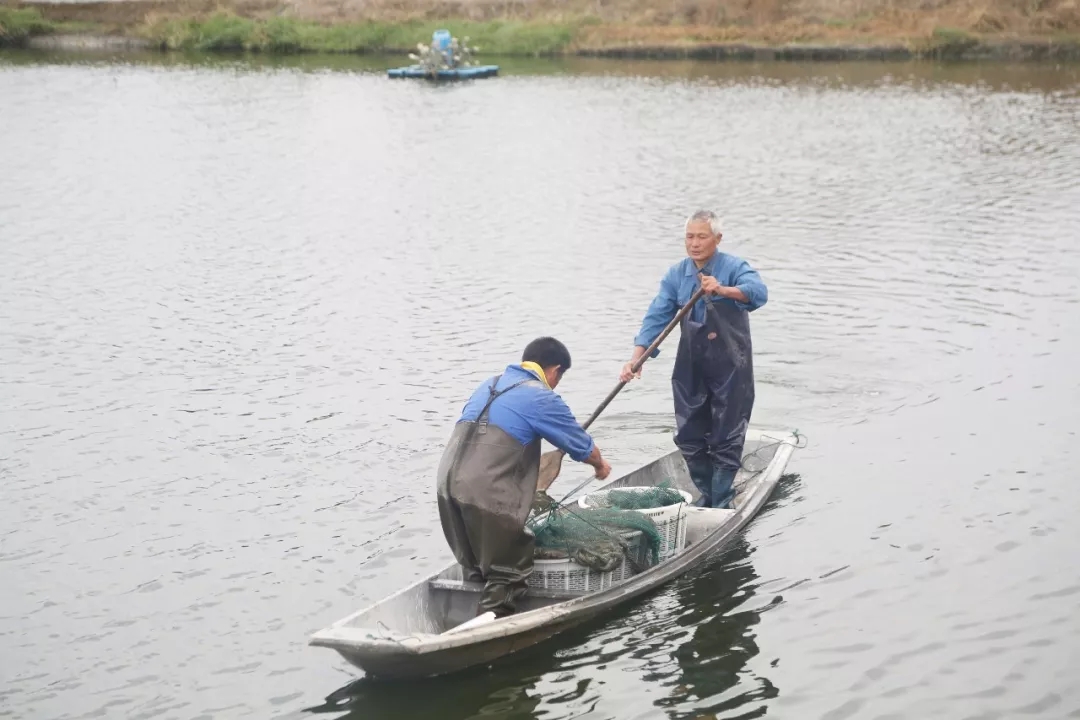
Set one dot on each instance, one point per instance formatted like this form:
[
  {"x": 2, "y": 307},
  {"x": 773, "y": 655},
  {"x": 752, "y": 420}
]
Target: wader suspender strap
[
  {"x": 482, "y": 418},
  {"x": 709, "y": 310}
]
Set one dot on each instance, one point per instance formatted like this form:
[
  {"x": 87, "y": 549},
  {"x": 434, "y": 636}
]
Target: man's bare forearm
[{"x": 595, "y": 459}]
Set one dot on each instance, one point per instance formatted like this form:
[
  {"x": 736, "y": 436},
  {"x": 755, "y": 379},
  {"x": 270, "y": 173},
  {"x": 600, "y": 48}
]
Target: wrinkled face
[{"x": 700, "y": 241}]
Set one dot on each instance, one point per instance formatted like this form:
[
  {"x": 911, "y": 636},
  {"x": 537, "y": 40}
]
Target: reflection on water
[
  {"x": 241, "y": 301},
  {"x": 471, "y": 695},
  {"x": 723, "y": 602},
  {"x": 988, "y": 76}
]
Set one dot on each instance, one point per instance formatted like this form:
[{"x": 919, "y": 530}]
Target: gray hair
[{"x": 715, "y": 224}]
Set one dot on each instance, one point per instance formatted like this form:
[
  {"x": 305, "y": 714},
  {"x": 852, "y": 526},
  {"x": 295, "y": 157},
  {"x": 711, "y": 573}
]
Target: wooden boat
[
  {"x": 412, "y": 632},
  {"x": 417, "y": 72}
]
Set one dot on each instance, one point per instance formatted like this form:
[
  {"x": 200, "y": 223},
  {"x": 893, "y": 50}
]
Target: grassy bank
[
  {"x": 17, "y": 25},
  {"x": 223, "y": 32},
  {"x": 226, "y": 31},
  {"x": 705, "y": 29}
]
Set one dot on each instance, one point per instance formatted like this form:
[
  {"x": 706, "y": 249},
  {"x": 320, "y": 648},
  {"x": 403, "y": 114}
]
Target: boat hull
[
  {"x": 411, "y": 665},
  {"x": 404, "y": 635}
]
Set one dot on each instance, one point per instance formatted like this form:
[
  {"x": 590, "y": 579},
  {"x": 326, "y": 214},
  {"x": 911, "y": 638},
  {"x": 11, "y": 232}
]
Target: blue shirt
[
  {"x": 680, "y": 283},
  {"x": 530, "y": 411}
]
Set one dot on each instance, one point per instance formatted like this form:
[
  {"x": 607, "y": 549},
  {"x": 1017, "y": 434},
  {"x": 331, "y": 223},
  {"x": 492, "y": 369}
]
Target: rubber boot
[
  {"x": 723, "y": 487},
  {"x": 501, "y": 597},
  {"x": 701, "y": 472}
]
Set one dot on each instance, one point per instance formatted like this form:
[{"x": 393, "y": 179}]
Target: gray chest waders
[{"x": 487, "y": 480}]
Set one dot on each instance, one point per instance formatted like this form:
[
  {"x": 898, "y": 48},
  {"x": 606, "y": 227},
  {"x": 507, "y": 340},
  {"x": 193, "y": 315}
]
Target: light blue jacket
[
  {"x": 529, "y": 411},
  {"x": 680, "y": 283}
]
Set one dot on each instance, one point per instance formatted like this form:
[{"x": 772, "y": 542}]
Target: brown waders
[{"x": 487, "y": 481}]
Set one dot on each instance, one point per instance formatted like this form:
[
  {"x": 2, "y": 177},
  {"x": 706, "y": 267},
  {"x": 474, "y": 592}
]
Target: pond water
[{"x": 243, "y": 301}]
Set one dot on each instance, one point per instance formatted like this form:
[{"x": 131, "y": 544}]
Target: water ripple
[{"x": 241, "y": 305}]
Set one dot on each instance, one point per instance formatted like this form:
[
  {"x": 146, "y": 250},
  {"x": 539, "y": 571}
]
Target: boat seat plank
[{"x": 475, "y": 587}]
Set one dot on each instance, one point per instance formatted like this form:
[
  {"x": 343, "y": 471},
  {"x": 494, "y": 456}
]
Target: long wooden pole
[{"x": 551, "y": 461}]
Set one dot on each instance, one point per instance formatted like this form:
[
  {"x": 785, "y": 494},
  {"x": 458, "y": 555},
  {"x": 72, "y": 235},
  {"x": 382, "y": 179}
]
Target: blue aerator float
[{"x": 444, "y": 59}]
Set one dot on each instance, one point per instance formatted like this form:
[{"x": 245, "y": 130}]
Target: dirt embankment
[{"x": 785, "y": 29}]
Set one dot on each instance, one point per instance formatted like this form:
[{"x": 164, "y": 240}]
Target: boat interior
[{"x": 441, "y": 603}]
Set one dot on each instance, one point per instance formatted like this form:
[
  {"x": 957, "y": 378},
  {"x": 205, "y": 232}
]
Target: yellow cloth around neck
[{"x": 535, "y": 368}]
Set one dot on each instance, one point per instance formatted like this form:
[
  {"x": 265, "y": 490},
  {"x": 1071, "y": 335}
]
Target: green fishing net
[
  {"x": 592, "y": 537},
  {"x": 655, "y": 497}
]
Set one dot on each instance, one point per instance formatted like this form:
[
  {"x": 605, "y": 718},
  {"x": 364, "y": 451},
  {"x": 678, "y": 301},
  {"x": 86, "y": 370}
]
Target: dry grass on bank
[{"x": 554, "y": 26}]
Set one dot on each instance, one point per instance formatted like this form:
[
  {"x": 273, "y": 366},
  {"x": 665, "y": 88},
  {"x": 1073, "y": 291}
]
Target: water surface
[{"x": 241, "y": 302}]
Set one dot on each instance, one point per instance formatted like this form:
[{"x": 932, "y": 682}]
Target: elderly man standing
[
  {"x": 713, "y": 378},
  {"x": 487, "y": 478}
]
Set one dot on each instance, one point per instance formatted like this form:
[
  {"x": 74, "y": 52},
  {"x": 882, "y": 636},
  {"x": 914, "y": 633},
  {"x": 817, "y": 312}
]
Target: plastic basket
[
  {"x": 670, "y": 520},
  {"x": 570, "y": 578}
]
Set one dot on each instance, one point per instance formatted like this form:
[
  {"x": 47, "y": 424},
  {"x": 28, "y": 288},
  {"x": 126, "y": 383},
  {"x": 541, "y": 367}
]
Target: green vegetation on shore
[
  {"x": 17, "y": 25},
  {"x": 566, "y": 28},
  {"x": 229, "y": 33}
]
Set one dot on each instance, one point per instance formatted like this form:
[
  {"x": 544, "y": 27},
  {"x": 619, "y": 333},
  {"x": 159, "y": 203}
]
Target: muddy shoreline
[
  {"x": 267, "y": 27},
  {"x": 997, "y": 52}
]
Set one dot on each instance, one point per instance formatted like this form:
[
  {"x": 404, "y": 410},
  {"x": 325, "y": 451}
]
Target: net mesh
[
  {"x": 660, "y": 496},
  {"x": 592, "y": 537}
]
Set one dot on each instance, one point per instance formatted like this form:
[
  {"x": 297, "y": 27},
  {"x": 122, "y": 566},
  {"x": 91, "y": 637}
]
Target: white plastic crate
[
  {"x": 670, "y": 520},
  {"x": 567, "y": 576}
]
